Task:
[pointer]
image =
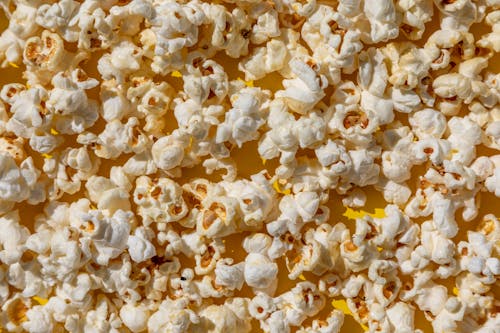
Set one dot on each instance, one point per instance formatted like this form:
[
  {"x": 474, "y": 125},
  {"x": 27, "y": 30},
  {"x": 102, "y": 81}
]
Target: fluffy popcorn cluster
[{"x": 104, "y": 229}]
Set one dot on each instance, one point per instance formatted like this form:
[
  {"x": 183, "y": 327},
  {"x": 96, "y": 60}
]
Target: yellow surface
[
  {"x": 40, "y": 300},
  {"x": 359, "y": 214},
  {"x": 176, "y": 74},
  {"x": 249, "y": 162}
]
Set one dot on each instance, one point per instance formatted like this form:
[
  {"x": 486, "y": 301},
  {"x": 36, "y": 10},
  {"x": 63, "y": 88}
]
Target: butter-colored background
[{"x": 249, "y": 163}]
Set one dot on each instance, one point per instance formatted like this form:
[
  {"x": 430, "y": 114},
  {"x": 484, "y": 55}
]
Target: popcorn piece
[
  {"x": 44, "y": 56},
  {"x": 124, "y": 59},
  {"x": 159, "y": 200},
  {"x": 381, "y": 17},
  {"x": 68, "y": 101},
  {"x": 135, "y": 317},
  {"x": 140, "y": 246},
  {"x": 304, "y": 91},
  {"x": 229, "y": 276},
  {"x": 13, "y": 239},
  {"x": 107, "y": 235},
  {"x": 244, "y": 119},
  {"x": 222, "y": 319},
  {"x": 264, "y": 60},
  {"x": 59, "y": 17},
  {"x": 401, "y": 317},
  {"x": 260, "y": 272},
  {"x": 167, "y": 153}
]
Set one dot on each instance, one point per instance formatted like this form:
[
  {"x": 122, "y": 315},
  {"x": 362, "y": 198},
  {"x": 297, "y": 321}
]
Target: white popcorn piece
[
  {"x": 261, "y": 306},
  {"x": 124, "y": 59},
  {"x": 304, "y": 91},
  {"x": 44, "y": 56},
  {"x": 39, "y": 320},
  {"x": 108, "y": 196},
  {"x": 206, "y": 258},
  {"x": 300, "y": 302},
  {"x": 260, "y": 272},
  {"x": 428, "y": 295},
  {"x": 266, "y": 27},
  {"x": 135, "y": 317},
  {"x": 428, "y": 123},
  {"x": 159, "y": 200},
  {"x": 219, "y": 218},
  {"x": 16, "y": 182},
  {"x": 107, "y": 235},
  {"x": 229, "y": 276},
  {"x": 14, "y": 312},
  {"x": 59, "y": 17},
  {"x": 313, "y": 256},
  {"x": 117, "y": 138},
  {"x": 382, "y": 17},
  {"x": 401, "y": 317},
  {"x": 75, "y": 112},
  {"x": 21, "y": 26},
  {"x": 139, "y": 245},
  {"x": 28, "y": 113},
  {"x": 405, "y": 101},
  {"x": 264, "y": 60},
  {"x": 222, "y": 318},
  {"x": 490, "y": 183},
  {"x": 333, "y": 323},
  {"x": 13, "y": 239},
  {"x": 167, "y": 153},
  {"x": 257, "y": 243},
  {"x": 242, "y": 122}
]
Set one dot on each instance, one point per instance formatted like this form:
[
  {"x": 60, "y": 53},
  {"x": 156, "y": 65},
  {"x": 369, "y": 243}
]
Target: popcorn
[
  {"x": 304, "y": 91},
  {"x": 401, "y": 317},
  {"x": 223, "y": 318},
  {"x": 244, "y": 119},
  {"x": 117, "y": 138},
  {"x": 428, "y": 123},
  {"x": 59, "y": 17},
  {"x": 135, "y": 317},
  {"x": 333, "y": 323},
  {"x": 381, "y": 17},
  {"x": 266, "y": 27},
  {"x": 124, "y": 59},
  {"x": 300, "y": 302},
  {"x": 133, "y": 99},
  {"x": 139, "y": 245},
  {"x": 167, "y": 153},
  {"x": 69, "y": 103},
  {"x": 16, "y": 182},
  {"x": 264, "y": 60},
  {"x": 260, "y": 272},
  {"x": 159, "y": 200},
  {"x": 491, "y": 180},
  {"x": 14, "y": 313},
  {"x": 21, "y": 26},
  {"x": 108, "y": 196},
  {"x": 108, "y": 236},
  {"x": 314, "y": 256},
  {"x": 13, "y": 241},
  {"x": 44, "y": 55},
  {"x": 261, "y": 306},
  {"x": 38, "y": 320},
  {"x": 229, "y": 276}
]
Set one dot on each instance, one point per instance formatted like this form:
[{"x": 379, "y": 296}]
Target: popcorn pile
[{"x": 138, "y": 247}]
